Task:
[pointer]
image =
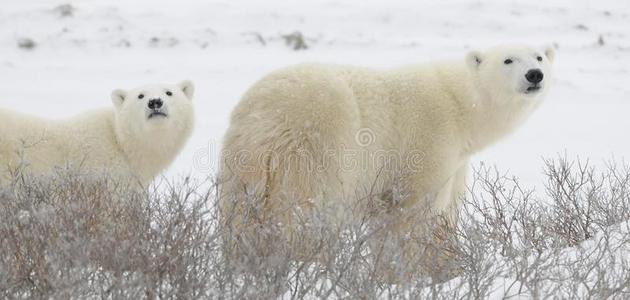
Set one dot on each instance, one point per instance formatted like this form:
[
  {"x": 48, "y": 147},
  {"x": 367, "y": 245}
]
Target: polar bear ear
[
  {"x": 474, "y": 59},
  {"x": 550, "y": 52},
  {"x": 188, "y": 88},
  {"x": 118, "y": 97}
]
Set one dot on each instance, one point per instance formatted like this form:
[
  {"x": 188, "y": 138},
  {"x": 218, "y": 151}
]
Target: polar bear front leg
[
  {"x": 432, "y": 250},
  {"x": 456, "y": 191},
  {"x": 448, "y": 199},
  {"x": 443, "y": 250}
]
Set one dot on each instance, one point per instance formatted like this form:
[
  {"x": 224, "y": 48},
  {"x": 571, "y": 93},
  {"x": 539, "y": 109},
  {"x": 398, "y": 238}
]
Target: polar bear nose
[
  {"x": 534, "y": 75},
  {"x": 155, "y": 103}
]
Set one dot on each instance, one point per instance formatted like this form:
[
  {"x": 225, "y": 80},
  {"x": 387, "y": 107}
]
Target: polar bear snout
[
  {"x": 156, "y": 108},
  {"x": 155, "y": 103},
  {"x": 534, "y": 76}
]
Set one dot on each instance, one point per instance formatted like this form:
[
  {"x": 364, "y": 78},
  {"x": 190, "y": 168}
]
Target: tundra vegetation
[{"x": 86, "y": 236}]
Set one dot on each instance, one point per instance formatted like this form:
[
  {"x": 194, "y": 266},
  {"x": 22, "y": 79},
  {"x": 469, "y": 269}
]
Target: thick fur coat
[{"x": 136, "y": 139}]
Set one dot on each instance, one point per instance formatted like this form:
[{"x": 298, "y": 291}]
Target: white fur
[
  {"x": 432, "y": 116},
  {"x": 122, "y": 141}
]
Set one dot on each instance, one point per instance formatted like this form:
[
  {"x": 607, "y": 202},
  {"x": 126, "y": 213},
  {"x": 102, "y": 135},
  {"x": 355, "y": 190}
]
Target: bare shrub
[
  {"x": 64, "y": 10},
  {"x": 295, "y": 41},
  {"x": 26, "y": 43},
  {"x": 73, "y": 235}
]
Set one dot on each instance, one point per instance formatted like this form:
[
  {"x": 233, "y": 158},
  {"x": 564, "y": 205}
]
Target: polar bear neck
[
  {"x": 492, "y": 119},
  {"x": 148, "y": 155},
  {"x": 487, "y": 117}
]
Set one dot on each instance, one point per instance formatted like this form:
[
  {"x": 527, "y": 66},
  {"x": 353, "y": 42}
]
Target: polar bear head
[
  {"x": 507, "y": 72},
  {"x": 152, "y": 123},
  {"x": 154, "y": 108}
]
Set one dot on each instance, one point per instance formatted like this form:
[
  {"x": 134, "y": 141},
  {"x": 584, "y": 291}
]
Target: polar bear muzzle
[
  {"x": 534, "y": 77},
  {"x": 158, "y": 114},
  {"x": 156, "y": 108}
]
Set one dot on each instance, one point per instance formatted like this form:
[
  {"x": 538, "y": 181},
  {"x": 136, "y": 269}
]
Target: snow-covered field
[{"x": 84, "y": 52}]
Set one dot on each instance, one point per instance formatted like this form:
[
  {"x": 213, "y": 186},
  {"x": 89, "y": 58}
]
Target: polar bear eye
[
  {"x": 507, "y": 61},
  {"x": 539, "y": 58},
  {"x": 168, "y": 93},
  {"x": 140, "y": 96}
]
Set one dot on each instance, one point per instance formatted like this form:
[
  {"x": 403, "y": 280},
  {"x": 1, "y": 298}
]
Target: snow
[
  {"x": 106, "y": 44},
  {"x": 110, "y": 44}
]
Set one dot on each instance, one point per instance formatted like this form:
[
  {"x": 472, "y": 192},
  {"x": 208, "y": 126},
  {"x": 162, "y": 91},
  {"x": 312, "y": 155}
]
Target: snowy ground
[
  {"x": 83, "y": 53},
  {"x": 224, "y": 46}
]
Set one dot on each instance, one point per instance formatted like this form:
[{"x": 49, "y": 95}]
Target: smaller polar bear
[
  {"x": 138, "y": 138},
  {"x": 315, "y": 135}
]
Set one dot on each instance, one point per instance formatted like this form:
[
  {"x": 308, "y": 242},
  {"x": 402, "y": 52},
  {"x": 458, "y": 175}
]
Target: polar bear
[
  {"x": 315, "y": 135},
  {"x": 137, "y": 139}
]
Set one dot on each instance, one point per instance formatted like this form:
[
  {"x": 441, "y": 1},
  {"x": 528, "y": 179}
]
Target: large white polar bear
[
  {"x": 138, "y": 138},
  {"x": 312, "y": 135}
]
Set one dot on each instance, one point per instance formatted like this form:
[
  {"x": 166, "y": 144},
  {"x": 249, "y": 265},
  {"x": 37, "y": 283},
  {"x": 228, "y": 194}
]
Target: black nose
[
  {"x": 155, "y": 103},
  {"x": 534, "y": 75}
]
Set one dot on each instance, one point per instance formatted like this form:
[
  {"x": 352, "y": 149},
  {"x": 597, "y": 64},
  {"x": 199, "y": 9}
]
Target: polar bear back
[{"x": 331, "y": 105}]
